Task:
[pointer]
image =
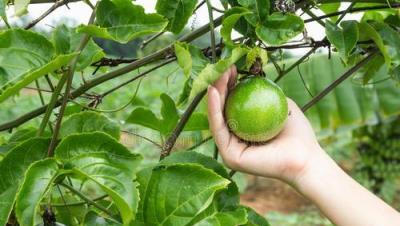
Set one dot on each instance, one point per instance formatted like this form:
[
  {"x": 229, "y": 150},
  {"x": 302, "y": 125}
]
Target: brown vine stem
[
  {"x": 55, "y": 6},
  {"x": 355, "y": 9},
  {"x": 339, "y": 80},
  {"x": 170, "y": 142},
  {"x": 163, "y": 53},
  {"x": 70, "y": 75}
]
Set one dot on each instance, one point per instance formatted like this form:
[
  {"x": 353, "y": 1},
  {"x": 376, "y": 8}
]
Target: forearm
[{"x": 342, "y": 199}]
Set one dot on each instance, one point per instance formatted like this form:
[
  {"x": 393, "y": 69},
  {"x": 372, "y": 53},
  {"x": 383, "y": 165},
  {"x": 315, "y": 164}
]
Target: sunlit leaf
[
  {"x": 38, "y": 179},
  {"x": 231, "y": 17},
  {"x": 66, "y": 40},
  {"x": 344, "y": 38},
  {"x": 101, "y": 159},
  {"x": 176, "y": 193},
  {"x": 279, "y": 28},
  {"x": 213, "y": 71},
  {"x": 145, "y": 117},
  {"x": 177, "y": 12},
  {"x": 21, "y": 7},
  {"x": 259, "y": 8},
  {"x": 122, "y": 21},
  {"x": 12, "y": 171},
  {"x": 183, "y": 57},
  {"x": 89, "y": 122}
]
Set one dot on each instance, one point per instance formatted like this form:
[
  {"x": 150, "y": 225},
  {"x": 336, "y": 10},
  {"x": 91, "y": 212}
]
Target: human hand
[{"x": 285, "y": 157}]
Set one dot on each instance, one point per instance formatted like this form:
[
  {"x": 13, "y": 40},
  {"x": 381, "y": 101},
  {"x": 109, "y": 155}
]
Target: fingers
[
  {"x": 225, "y": 82},
  {"x": 216, "y": 119}
]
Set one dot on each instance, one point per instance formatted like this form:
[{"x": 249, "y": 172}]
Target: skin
[{"x": 296, "y": 157}]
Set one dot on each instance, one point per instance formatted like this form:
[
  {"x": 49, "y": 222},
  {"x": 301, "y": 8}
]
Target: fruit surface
[{"x": 256, "y": 109}]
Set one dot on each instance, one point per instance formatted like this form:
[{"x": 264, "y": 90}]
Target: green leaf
[
  {"x": 371, "y": 68},
  {"x": 93, "y": 219},
  {"x": 344, "y": 38},
  {"x": 89, "y": 122},
  {"x": 100, "y": 158},
  {"x": 228, "y": 218},
  {"x": 17, "y": 137},
  {"x": 367, "y": 32},
  {"x": 122, "y": 21},
  {"x": 176, "y": 193},
  {"x": 391, "y": 40},
  {"x": 145, "y": 117},
  {"x": 259, "y": 8},
  {"x": 21, "y": 7},
  {"x": 231, "y": 17},
  {"x": 24, "y": 57},
  {"x": 13, "y": 86},
  {"x": 254, "y": 219},
  {"x": 38, "y": 179},
  {"x": 195, "y": 157},
  {"x": 330, "y": 8},
  {"x": 177, "y": 12},
  {"x": 279, "y": 28},
  {"x": 12, "y": 171},
  {"x": 169, "y": 114},
  {"x": 197, "y": 121},
  {"x": 199, "y": 61},
  {"x": 184, "y": 58},
  {"x": 213, "y": 71},
  {"x": 66, "y": 40}
]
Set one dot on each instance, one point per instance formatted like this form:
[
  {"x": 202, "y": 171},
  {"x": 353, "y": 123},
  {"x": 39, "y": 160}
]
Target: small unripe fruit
[{"x": 256, "y": 109}]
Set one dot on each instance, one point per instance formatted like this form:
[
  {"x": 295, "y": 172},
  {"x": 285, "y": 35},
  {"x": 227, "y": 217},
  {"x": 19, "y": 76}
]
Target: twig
[
  {"x": 339, "y": 80},
  {"x": 45, "y": 14},
  {"x": 169, "y": 144},
  {"x": 199, "y": 144},
  {"x": 143, "y": 137},
  {"x": 66, "y": 204},
  {"x": 69, "y": 74},
  {"x": 212, "y": 32},
  {"x": 353, "y": 10},
  {"x": 87, "y": 200},
  {"x": 167, "y": 51},
  {"x": 138, "y": 76},
  {"x": 152, "y": 38}
]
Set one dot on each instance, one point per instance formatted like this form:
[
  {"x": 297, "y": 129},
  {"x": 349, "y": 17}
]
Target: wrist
[{"x": 319, "y": 168}]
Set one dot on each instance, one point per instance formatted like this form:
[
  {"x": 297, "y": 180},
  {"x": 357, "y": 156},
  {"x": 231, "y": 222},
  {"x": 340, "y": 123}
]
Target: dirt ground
[{"x": 265, "y": 195}]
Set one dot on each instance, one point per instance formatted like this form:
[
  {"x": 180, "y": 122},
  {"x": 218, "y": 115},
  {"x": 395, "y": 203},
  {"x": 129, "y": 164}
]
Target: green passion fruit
[{"x": 256, "y": 109}]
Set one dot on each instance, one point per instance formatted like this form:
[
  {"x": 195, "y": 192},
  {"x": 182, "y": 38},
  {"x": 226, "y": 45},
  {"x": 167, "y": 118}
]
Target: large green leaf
[
  {"x": 279, "y": 28},
  {"x": 100, "y": 158},
  {"x": 66, "y": 40},
  {"x": 38, "y": 180},
  {"x": 259, "y": 8},
  {"x": 18, "y": 137},
  {"x": 122, "y": 21},
  {"x": 177, "y": 12},
  {"x": 213, "y": 71},
  {"x": 344, "y": 38},
  {"x": 89, "y": 122},
  {"x": 175, "y": 194},
  {"x": 231, "y": 17},
  {"x": 12, "y": 171},
  {"x": 24, "y": 57},
  {"x": 228, "y": 218}
]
